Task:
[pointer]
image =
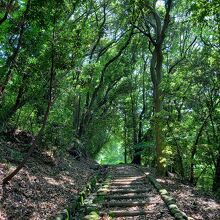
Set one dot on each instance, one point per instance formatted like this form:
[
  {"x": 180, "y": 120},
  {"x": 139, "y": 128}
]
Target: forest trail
[{"x": 128, "y": 194}]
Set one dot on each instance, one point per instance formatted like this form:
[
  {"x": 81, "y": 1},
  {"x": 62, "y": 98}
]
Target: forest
[{"x": 116, "y": 81}]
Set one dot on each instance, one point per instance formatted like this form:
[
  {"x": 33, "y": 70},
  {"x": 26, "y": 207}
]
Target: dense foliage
[{"x": 137, "y": 81}]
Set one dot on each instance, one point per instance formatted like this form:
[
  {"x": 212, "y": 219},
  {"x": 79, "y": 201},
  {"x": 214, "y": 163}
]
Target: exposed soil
[
  {"x": 45, "y": 186},
  {"x": 195, "y": 203}
]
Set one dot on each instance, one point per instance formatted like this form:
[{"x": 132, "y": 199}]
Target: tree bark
[
  {"x": 136, "y": 151},
  {"x": 156, "y": 76},
  {"x": 7, "y": 113},
  {"x": 194, "y": 150},
  {"x": 8, "y": 8},
  {"x": 125, "y": 136},
  {"x": 155, "y": 33},
  {"x": 11, "y": 59},
  {"x": 216, "y": 181},
  {"x": 40, "y": 133}
]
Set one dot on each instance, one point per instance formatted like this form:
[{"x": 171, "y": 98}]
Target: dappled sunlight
[
  {"x": 39, "y": 191},
  {"x": 194, "y": 202},
  {"x": 165, "y": 181},
  {"x": 63, "y": 181},
  {"x": 129, "y": 186},
  {"x": 52, "y": 181},
  {"x": 118, "y": 86}
]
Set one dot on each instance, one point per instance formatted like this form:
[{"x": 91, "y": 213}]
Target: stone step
[
  {"x": 129, "y": 196},
  {"x": 127, "y": 177},
  {"x": 127, "y": 180},
  {"x": 124, "y": 213},
  {"x": 122, "y": 191},
  {"x": 126, "y": 187},
  {"x": 123, "y": 184},
  {"x": 124, "y": 204},
  {"x": 127, "y": 184}
]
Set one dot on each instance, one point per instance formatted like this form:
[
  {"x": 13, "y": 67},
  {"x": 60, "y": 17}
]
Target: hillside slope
[{"x": 44, "y": 186}]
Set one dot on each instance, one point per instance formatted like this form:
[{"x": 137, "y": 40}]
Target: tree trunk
[
  {"x": 158, "y": 130},
  {"x": 156, "y": 36},
  {"x": 34, "y": 145},
  {"x": 125, "y": 137},
  {"x": 142, "y": 114},
  {"x": 7, "y": 113},
  {"x": 8, "y": 67},
  {"x": 40, "y": 134},
  {"x": 8, "y": 8},
  {"x": 216, "y": 182},
  {"x": 76, "y": 113},
  {"x": 194, "y": 150},
  {"x": 137, "y": 157},
  {"x": 136, "y": 151},
  {"x": 156, "y": 76}
]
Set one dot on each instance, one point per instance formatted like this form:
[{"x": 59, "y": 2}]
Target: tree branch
[
  {"x": 101, "y": 80},
  {"x": 8, "y": 8},
  {"x": 184, "y": 56}
]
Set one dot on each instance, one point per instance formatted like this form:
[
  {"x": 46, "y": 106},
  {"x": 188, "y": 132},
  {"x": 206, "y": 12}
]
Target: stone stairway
[{"x": 127, "y": 194}]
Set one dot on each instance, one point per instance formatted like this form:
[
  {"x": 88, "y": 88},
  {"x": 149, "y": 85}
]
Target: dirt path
[{"x": 129, "y": 195}]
